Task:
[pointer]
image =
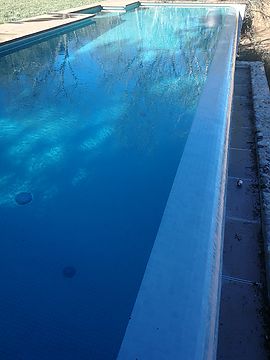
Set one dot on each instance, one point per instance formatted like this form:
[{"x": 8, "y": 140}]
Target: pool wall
[{"x": 176, "y": 311}]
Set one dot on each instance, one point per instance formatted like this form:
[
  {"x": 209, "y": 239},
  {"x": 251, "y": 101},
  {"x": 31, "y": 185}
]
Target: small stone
[
  {"x": 69, "y": 271},
  {"x": 23, "y": 198},
  {"x": 239, "y": 183}
]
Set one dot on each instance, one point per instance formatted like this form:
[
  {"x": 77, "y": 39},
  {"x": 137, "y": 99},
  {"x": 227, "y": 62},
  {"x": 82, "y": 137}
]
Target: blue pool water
[{"x": 93, "y": 124}]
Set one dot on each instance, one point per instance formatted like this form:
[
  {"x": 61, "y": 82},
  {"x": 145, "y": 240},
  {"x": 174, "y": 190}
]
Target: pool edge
[{"x": 132, "y": 347}]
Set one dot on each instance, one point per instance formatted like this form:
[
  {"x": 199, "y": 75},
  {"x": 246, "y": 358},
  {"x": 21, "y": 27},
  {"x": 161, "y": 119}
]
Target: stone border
[
  {"x": 12, "y": 32},
  {"x": 261, "y": 106}
]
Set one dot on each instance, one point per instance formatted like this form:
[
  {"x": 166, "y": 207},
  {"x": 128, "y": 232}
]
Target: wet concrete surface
[{"x": 243, "y": 323}]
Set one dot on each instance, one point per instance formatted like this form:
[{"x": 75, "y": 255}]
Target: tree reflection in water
[
  {"x": 56, "y": 93},
  {"x": 93, "y": 124}
]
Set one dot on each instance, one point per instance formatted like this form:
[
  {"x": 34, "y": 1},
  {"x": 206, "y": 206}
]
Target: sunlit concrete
[
  {"x": 26, "y": 27},
  {"x": 19, "y": 29}
]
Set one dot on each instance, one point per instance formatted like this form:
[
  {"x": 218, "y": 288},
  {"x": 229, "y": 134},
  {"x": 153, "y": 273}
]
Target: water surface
[{"x": 93, "y": 124}]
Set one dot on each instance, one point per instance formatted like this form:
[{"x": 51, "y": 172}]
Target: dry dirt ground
[{"x": 255, "y": 39}]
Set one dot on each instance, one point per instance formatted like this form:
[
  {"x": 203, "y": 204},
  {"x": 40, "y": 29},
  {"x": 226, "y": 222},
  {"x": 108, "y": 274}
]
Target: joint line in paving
[
  {"x": 241, "y": 149},
  {"x": 242, "y": 178},
  {"x": 239, "y": 280},
  {"x": 236, "y": 218}
]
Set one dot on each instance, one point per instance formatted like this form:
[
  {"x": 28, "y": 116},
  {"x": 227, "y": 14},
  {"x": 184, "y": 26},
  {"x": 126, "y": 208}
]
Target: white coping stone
[
  {"x": 175, "y": 315},
  {"x": 240, "y": 8}
]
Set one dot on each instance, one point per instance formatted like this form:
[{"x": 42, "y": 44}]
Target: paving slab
[
  {"x": 82, "y": 8},
  {"x": 243, "y": 115},
  {"x": 242, "y": 100},
  {"x": 241, "y": 89},
  {"x": 242, "y": 163},
  {"x": 243, "y": 250},
  {"x": 241, "y": 331},
  {"x": 242, "y": 138},
  {"x": 27, "y": 27},
  {"x": 240, "y": 76},
  {"x": 243, "y": 202}
]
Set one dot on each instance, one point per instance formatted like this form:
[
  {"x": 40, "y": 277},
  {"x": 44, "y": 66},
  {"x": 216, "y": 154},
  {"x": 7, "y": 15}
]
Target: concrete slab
[
  {"x": 242, "y": 138},
  {"x": 242, "y": 250},
  {"x": 241, "y": 75},
  {"x": 242, "y": 100},
  {"x": 241, "y": 88},
  {"x": 243, "y": 202},
  {"x": 242, "y": 164},
  {"x": 241, "y": 327},
  {"x": 81, "y": 8},
  {"x": 243, "y": 115},
  {"x": 27, "y": 27}
]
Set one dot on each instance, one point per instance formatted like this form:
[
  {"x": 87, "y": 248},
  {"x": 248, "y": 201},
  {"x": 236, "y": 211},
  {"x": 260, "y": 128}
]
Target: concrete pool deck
[
  {"x": 26, "y": 27},
  {"x": 16, "y": 30}
]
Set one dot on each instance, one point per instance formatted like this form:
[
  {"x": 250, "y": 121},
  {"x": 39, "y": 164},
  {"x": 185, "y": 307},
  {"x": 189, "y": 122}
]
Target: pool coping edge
[
  {"x": 82, "y": 17},
  {"x": 137, "y": 325}
]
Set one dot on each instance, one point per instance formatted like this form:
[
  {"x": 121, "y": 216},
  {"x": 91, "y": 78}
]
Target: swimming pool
[{"x": 107, "y": 126}]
